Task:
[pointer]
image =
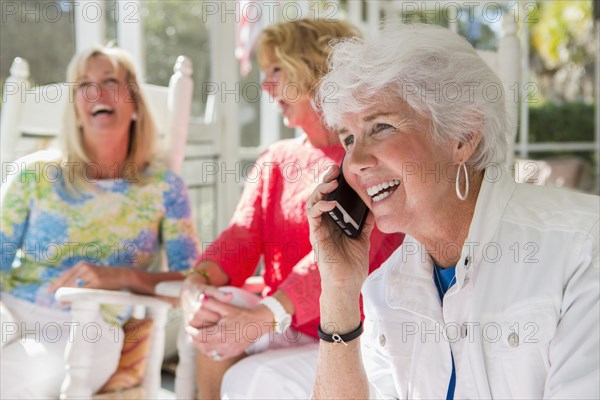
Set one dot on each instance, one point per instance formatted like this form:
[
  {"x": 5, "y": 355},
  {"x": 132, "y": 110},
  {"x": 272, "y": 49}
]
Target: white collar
[{"x": 408, "y": 279}]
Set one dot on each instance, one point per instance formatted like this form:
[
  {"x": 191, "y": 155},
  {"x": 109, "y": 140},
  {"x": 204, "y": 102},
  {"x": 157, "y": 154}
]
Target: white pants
[
  {"x": 287, "y": 373},
  {"x": 277, "y": 367},
  {"x": 34, "y": 340}
]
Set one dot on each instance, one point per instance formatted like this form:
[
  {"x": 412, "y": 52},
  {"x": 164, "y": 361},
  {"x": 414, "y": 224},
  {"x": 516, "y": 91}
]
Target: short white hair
[{"x": 437, "y": 73}]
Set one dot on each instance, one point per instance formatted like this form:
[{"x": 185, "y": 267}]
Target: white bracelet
[{"x": 282, "y": 318}]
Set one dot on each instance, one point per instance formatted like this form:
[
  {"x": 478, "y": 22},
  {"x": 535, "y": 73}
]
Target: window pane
[
  {"x": 250, "y": 95},
  {"x": 202, "y": 199},
  {"x": 41, "y": 32},
  {"x": 111, "y": 14},
  {"x": 173, "y": 28}
]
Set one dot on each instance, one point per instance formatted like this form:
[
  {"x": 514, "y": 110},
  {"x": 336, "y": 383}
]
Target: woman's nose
[
  {"x": 268, "y": 86},
  {"x": 96, "y": 92},
  {"x": 359, "y": 159},
  {"x": 103, "y": 92}
]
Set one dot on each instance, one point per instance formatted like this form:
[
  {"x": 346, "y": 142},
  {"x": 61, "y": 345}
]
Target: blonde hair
[
  {"x": 302, "y": 47},
  {"x": 142, "y": 136}
]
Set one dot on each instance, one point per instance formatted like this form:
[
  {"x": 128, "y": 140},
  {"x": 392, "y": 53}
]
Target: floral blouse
[{"x": 45, "y": 230}]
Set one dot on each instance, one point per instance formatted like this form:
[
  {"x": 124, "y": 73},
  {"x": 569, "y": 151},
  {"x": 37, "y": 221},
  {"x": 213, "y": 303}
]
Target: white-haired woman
[
  {"x": 265, "y": 359},
  {"x": 494, "y": 293},
  {"x": 93, "y": 217}
]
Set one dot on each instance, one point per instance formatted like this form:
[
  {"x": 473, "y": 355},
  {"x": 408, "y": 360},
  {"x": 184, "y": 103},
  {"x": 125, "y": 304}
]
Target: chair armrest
[
  {"x": 85, "y": 304},
  {"x": 100, "y": 296},
  {"x": 169, "y": 288},
  {"x": 254, "y": 284}
]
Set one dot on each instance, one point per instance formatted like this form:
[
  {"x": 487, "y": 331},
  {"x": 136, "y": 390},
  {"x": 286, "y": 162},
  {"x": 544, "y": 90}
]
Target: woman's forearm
[
  {"x": 144, "y": 282},
  {"x": 214, "y": 272},
  {"x": 340, "y": 372}
]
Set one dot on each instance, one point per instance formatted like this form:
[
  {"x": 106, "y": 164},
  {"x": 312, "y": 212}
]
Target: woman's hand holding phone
[
  {"x": 343, "y": 261},
  {"x": 350, "y": 212}
]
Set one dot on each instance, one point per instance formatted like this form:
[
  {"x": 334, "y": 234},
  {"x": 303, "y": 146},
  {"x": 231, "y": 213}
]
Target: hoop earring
[{"x": 458, "y": 193}]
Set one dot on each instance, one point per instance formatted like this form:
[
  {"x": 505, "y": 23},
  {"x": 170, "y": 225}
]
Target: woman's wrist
[
  {"x": 340, "y": 312},
  {"x": 144, "y": 282},
  {"x": 201, "y": 272},
  {"x": 332, "y": 294},
  {"x": 138, "y": 281},
  {"x": 264, "y": 318},
  {"x": 346, "y": 283},
  {"x": 212, "y": 273},
  {"x": 194, "y": 279}
]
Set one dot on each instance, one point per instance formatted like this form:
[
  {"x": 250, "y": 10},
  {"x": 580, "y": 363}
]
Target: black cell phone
[{"x": 350, "y": 211}]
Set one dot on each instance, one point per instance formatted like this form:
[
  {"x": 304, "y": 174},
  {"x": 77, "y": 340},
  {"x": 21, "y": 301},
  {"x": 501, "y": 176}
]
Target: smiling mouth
[
  {"x": 381, "y": 191},
  {"x": 102, "y": 110}
]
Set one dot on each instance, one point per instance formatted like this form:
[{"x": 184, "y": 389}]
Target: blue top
[{"x": 444, "y": 279}]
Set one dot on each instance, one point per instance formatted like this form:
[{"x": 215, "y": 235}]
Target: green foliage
[
  {"x": 564, "y": 122},
  {"x": 563, "y": 50},
  {"x": 571, "y": 122},
  {"x": 564, "y": 32}
]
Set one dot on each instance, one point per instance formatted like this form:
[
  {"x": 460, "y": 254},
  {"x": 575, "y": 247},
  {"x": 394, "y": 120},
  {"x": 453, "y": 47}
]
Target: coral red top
[{"x": 270, "y": 221}]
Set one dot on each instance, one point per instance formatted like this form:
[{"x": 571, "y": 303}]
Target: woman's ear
[{"x": 464, "y": 150}]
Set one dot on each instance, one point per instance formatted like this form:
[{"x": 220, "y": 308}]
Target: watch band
[
  {"x": 337, "y": 338},
  {"x": 282, "y": 317}
]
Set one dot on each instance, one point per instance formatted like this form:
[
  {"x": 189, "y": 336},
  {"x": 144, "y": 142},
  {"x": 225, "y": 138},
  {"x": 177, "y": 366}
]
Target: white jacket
[{"x": 522, "y": 319}]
